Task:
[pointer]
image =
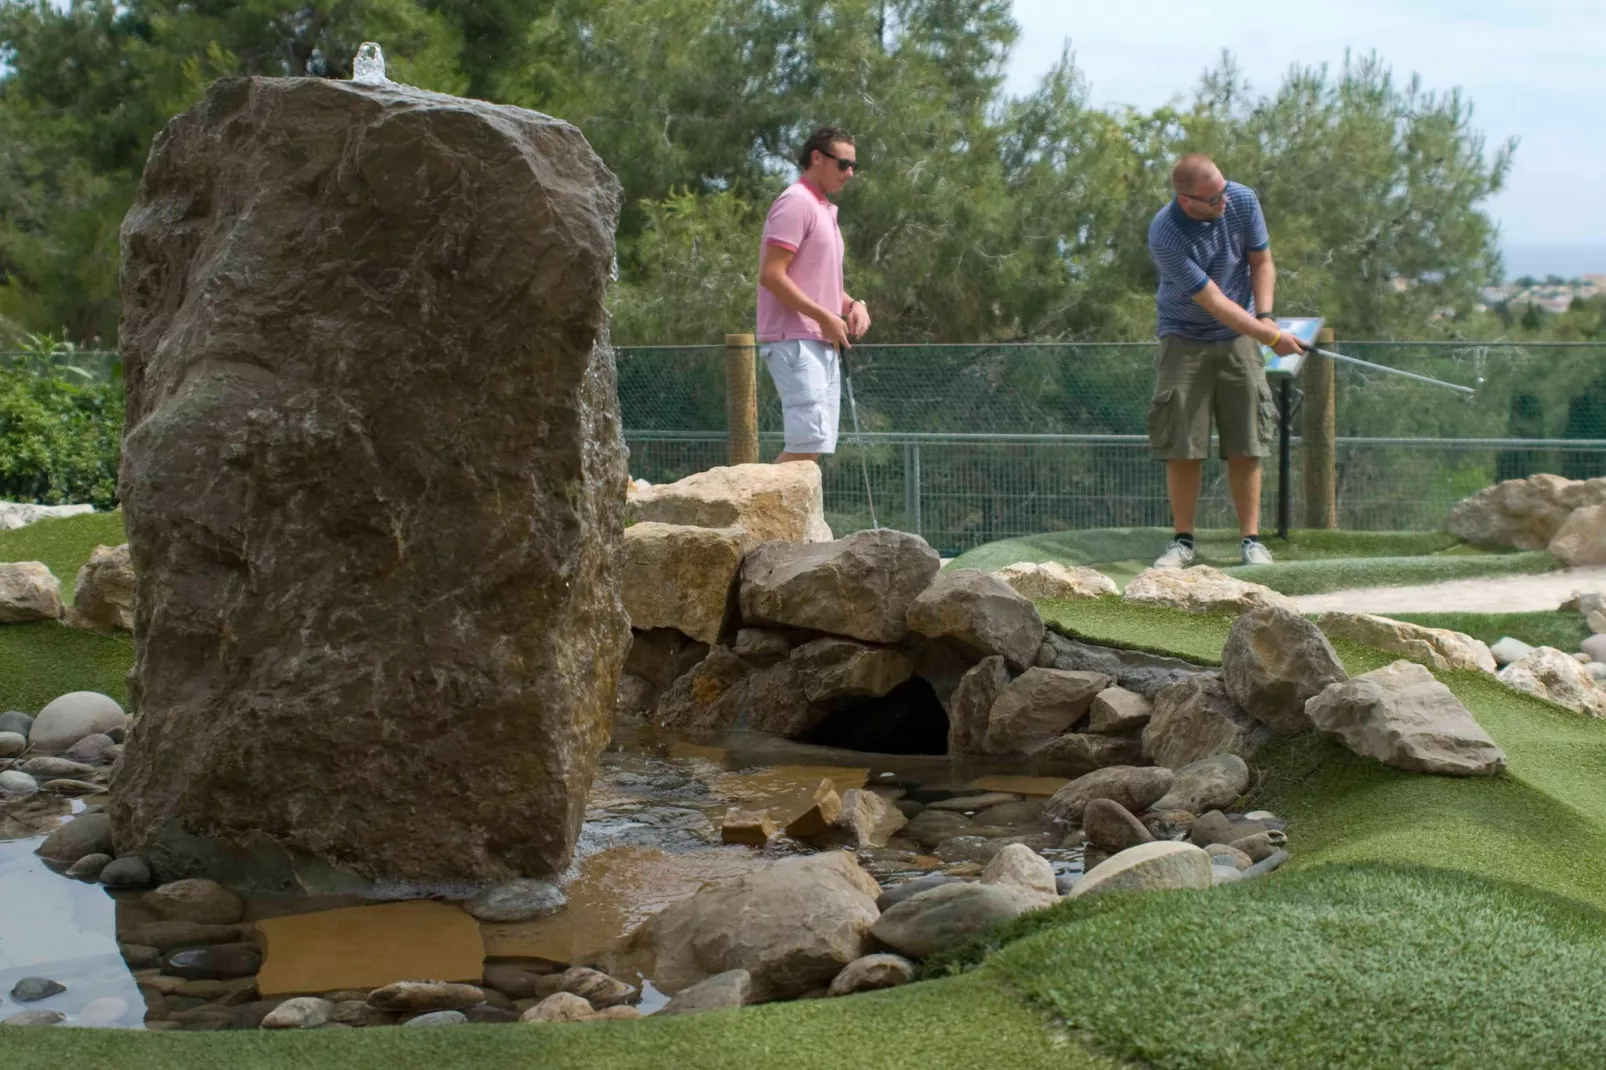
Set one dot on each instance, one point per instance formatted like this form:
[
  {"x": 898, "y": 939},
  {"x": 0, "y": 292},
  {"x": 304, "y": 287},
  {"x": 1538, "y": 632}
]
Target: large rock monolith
[{"x": 373, "y": 483}]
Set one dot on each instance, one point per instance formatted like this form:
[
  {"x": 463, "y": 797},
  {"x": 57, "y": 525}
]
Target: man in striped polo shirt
[{"x": 1214, "y": 307}]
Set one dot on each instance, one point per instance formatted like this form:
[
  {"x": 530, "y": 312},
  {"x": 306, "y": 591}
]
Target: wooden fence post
[
  {"x": 741, "y": 397},
  {"x": 1318, "y": 449}
]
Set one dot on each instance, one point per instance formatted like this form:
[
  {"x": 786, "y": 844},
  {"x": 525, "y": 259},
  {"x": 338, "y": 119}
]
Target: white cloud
[{"x": 1536, "y": 71}]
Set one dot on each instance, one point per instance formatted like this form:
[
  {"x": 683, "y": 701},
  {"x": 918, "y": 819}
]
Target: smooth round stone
[
  {"x": 140, "y": 956},
  {"x": 40, "y": 1017},
  {"x": 196, "y": 899},
  {"x": 12, "y": 744},
  {"x": 14, "y": 782},
  {"x": 106, "y": 1010},
  {"x": 439, "y": 1018},
  {"x": 220, "y": 962},
  {"x": 302, "y": 1012},
  {"x": 89, "y": 867},
  {"x": 129, "y": 872},
  {"x": 90, "y": 834},
  {"x": 517, "y": 900},
  {"x": 66, "y": 720},
  {"x": 90, "y": 749},
  {"x": 16, "y": 721},
  {"x": 34, "y": 989}
]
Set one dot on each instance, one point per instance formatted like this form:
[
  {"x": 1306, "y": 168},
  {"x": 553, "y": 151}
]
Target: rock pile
[{"x": 1542, "y": 512}]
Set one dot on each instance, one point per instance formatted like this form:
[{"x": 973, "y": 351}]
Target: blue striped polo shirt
[{"x": 1190, "y": 253}]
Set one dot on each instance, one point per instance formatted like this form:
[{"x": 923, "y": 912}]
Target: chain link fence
[{"x": 968, "y": 444}]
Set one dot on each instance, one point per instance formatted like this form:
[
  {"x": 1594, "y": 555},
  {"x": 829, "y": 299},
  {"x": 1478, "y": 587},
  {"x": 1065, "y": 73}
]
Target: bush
[{"x": 60, "y": 440}]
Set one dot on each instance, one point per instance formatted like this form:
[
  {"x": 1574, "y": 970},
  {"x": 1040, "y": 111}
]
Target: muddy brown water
[{"x": 651, "y": 836}]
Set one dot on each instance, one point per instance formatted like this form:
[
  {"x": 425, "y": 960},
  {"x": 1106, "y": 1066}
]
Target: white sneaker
[
  {"x": 1177, "y": 555},
  {"x": 1256, "y": 554}
]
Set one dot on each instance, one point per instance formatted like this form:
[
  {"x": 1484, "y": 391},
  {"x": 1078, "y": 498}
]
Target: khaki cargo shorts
[{"x": 1197, "y": 382}]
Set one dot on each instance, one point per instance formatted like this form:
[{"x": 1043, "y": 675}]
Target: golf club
[
  {"x": 858, "y": 436},
  {"x": 1330, "y": 355}
]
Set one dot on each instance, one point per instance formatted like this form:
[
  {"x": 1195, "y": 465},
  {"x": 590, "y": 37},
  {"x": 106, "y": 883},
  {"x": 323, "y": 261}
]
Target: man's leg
[
  {"x": 1243, "y": 476},
  {"x": 802, "y": 382},
  {"x": 1183, "y": 479}
]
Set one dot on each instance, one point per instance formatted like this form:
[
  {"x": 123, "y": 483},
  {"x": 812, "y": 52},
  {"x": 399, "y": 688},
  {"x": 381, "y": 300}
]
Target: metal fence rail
[{"x": 968, "y": 444}]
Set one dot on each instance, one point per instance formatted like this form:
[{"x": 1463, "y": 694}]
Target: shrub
[{"x": 61, "y": 429}]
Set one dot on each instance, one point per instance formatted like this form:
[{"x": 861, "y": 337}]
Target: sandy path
[{"x": 1493, "y": 594}]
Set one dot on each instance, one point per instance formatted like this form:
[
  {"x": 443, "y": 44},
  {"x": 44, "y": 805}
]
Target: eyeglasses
[
  {"x": 841, "y": 164},
  {"x": 1211, "y": 201}
]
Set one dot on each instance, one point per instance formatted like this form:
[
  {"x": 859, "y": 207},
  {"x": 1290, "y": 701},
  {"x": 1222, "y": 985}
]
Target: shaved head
[{"x": 1194, "y": 172}]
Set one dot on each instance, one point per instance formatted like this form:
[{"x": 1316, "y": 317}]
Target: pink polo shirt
[{"x": 804, "y": 221}]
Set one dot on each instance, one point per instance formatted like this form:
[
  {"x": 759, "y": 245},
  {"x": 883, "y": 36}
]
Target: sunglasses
[
  {"x": 841, "y": 164},
  {"x": 1211, "y": 201}
]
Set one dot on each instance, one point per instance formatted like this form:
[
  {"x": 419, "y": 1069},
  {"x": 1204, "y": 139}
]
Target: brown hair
[
  {"x": 1192, "y": 169},
  {"x": 821, "y": 141}
]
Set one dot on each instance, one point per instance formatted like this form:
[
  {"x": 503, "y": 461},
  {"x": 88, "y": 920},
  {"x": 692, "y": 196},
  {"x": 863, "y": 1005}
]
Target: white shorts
[{"x": 807, "y": 377}]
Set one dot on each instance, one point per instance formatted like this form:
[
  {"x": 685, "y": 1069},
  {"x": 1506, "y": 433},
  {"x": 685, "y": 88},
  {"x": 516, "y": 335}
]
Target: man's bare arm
[
  {"x": 1263, "y": 279},
  {"x": 773, "y": 277}
]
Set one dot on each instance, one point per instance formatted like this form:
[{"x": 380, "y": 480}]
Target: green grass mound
[
  {"x": 1564, "y": 631},
  {"x": 965, "y": 1023},
  {"x": 1338, "y": 967},
  {"x": 63, "y": 544}
]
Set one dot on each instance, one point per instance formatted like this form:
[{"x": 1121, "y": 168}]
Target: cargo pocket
[
  {"x": 1163, "y": 421},
  {"x": 1268, "y": 418}
]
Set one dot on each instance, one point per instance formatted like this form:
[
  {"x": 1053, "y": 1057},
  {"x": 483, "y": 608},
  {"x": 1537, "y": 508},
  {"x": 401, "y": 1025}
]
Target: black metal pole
[{"x": 1285, "y": 420}]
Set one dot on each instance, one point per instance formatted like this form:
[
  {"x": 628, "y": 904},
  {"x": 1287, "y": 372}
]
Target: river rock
[
  {"x": 1208, "y": 784},
  {"x": 921, "y": 924},
  {"x": 130, "y": 871},
  {"x": 872, "y": 972},
  {"x": 92, "y": 750},
  {"x": 982, "y": 612},
  {"x": 71, "y": 717},
  {"x": 89, "y": 867},
  {"x": 930, "y": 827},
  {"x": 1050, "y": 580},
  {"x": 436, "y": 1018},
  {"x": 860, "y": 587},
  {"x": 216, "y": 962},
  {"x": 835, "y": 668},
  {"x": 1402, "y": 716},
  {"x": 1039, "y": 706},
  {"x": 753, "y": 828},
  {"x": 866, "y": 820},
  {"x": 1076, "y": 753},
  {"x": 90, "y": 834},
  {"x": 1160, "y": 866},
  {"x": 1202, "y": 589},
  {"x": 171, "y": 935},
  {"x": 1439, "y": 648},
  {"x": 16, "y": 721},
  {"x": 196, "y": 899},
  {"x": 34, "y": 989},
  {"x": 709, "y": 698},
  {"x": 1109, "y": 826},
  {"x": 595, "y": 987},
  {"x": 12, "y": 744},
  {"x": 733, "y": 988},
  {"x": 662, "y": 655},
  {"x": 1273, "y": 662},
  {"x": 45, "y": 766},
  {"x": 15, "y": 515},
  {"x": 103, "y": 594},
  {"x": 28, "y": 592},
  {"x": 1550, "y": 674},
  {"x": 824, "y": 810},
  {"x": 15, "y": 782},
  {"x": 1524, "y": 514},
  {"x": 681, "y": 577},
  {"x": 1581, "y": 539},
  {"x": 1260, "y": 846},
  {"x": 971, "y": 705},
  {"x": 1117, "y": 711},
  {"x": 897, "y": 893},
  {"x": 782, "y": 502},
  {"x": 35, "y": 1017},
  {"x": 1195, "y": 719},
  {"x": 1507, "y": 650},
  {"x": 432, "y": 539},
  {"x": 415, "y": 997},
  {"x": 516, "y": 900},
  {"x": 1024, "y": 874},
  {"x": 792, "y": 926},
  {"x": 302, "y": 1012},
  {"x": 1135, "y": 788},
  {"x": 1222, "y": 853},
  {"x": 559, "y": 1007}
]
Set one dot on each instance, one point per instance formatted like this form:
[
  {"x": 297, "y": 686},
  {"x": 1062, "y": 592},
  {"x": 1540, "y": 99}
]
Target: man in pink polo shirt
[{"x": 804, "y": 311}]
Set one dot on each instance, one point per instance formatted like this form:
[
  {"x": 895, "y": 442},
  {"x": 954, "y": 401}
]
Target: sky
[{"x": 1533, "y": 69}]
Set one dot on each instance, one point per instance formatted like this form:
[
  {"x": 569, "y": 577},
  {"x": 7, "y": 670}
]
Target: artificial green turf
[
  {"x": 45, "y": 659},
  {"x": 1113, "y": 621},
  {"x": 1564, "y": 631},
  {"x": 965, "y": 1023},
  {"x": 63, "y": 543},
  {"x": 1317, "y": 577},
  {"x": 1334, "y": 968}
]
